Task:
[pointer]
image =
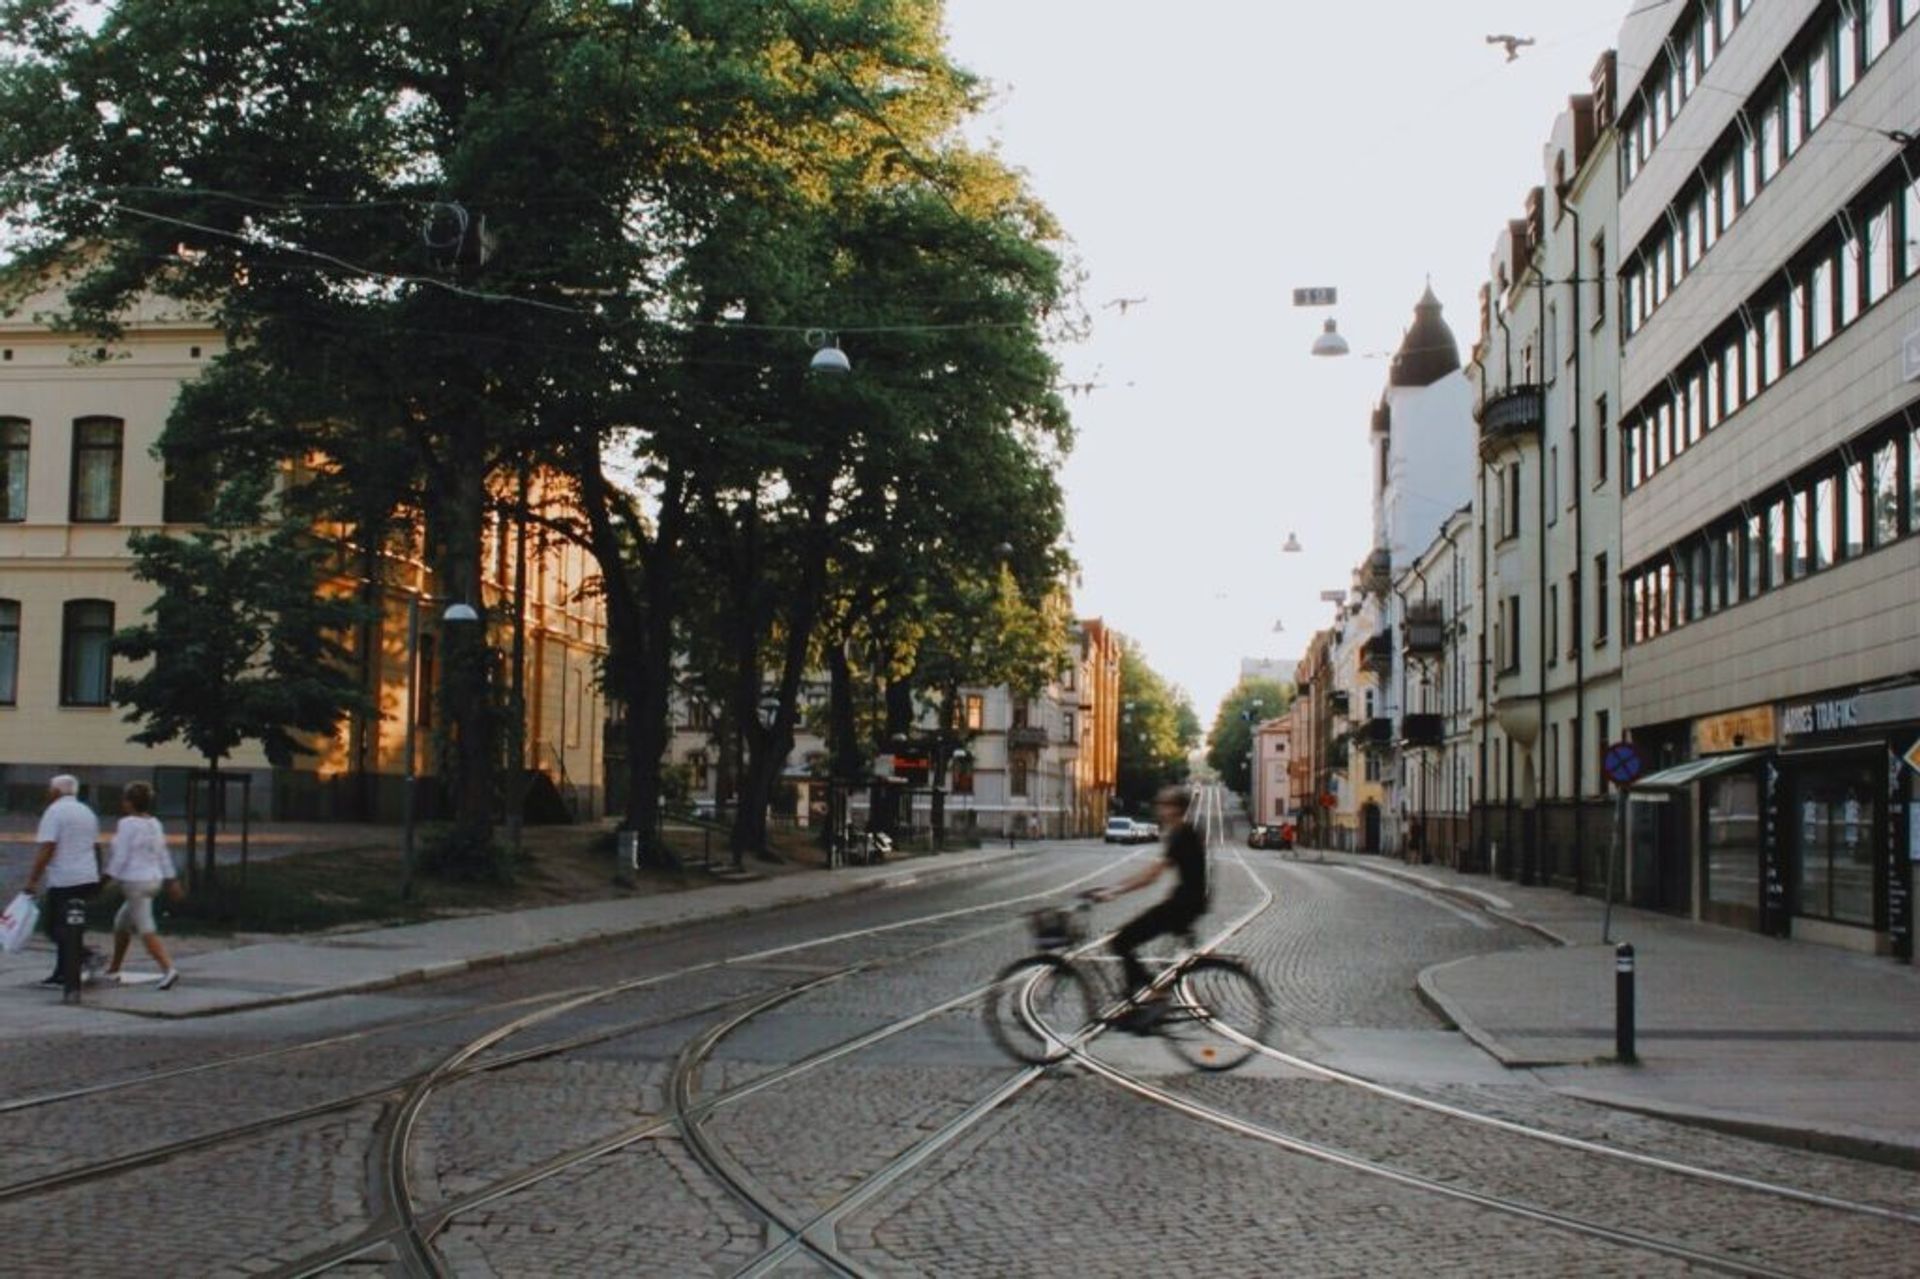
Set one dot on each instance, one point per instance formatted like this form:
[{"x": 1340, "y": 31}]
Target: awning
[{"x": 1695, "y": 769}]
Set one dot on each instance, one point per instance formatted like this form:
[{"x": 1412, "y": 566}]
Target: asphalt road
[{"x": 721, "y": 1100}]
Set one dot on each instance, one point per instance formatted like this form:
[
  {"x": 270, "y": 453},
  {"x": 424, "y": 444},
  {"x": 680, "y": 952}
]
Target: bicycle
[{"x": 1038, "y": 1007}]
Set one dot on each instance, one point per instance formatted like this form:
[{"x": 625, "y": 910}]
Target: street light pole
[{"x": 456, "y": 612}]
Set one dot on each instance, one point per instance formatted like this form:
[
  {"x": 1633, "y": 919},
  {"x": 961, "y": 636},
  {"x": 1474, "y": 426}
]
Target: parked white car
[{"x": 1119, "y": 830}]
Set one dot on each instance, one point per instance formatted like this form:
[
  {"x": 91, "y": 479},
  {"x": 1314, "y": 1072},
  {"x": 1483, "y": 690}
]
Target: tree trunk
[
  {"x": 465, "y": 679},
  {"x": 214, "y": 797}
]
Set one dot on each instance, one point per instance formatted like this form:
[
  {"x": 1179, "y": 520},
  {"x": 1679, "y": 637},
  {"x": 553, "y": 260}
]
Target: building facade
[
  {"x": 79, "y": 426},
  {"x": 1770, "y": 569},
  {"x": 1547, "y": 367}
]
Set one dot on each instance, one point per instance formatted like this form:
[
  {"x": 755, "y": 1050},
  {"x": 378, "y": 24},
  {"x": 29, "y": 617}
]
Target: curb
[
  {"x": 454, "y": 967},
  {"x": 1482, "y": 1038},
  {"x": 1498, "y": 907},
  {"x": 1824, "y": 1141}
]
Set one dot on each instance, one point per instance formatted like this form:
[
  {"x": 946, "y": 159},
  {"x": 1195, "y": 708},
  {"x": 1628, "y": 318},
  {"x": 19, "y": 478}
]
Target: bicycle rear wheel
[
  {"x": 1221, "y": 1011},
  {"x": 1035, "y": 1006}
]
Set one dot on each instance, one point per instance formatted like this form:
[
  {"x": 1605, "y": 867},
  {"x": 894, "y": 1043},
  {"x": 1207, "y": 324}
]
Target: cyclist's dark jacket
[{"x": 1188, "y": 853}]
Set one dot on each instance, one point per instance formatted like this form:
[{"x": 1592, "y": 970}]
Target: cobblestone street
[{"x": 817, "y": 1107}]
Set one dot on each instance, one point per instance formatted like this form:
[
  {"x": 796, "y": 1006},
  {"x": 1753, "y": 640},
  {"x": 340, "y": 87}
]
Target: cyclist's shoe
[{"x": 1140, "y": 1019}]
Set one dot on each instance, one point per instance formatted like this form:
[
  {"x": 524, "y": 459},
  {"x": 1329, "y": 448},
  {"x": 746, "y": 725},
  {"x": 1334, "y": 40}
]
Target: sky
[{"x": 1211, "y": 157}]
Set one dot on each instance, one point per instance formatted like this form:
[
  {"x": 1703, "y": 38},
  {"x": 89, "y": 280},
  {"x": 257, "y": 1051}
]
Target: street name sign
[{"x": 1315, "y": 297}]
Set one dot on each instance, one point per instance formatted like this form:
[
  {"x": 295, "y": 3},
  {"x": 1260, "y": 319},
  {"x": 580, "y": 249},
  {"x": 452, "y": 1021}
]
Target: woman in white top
[{"x": 142, "y": 866}]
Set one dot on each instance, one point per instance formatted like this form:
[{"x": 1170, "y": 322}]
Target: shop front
[{"x": 1848, "y": 764}]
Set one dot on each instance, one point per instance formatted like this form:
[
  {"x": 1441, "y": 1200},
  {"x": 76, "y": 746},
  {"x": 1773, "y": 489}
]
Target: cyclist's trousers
[{"x": 1170, "y": 916}]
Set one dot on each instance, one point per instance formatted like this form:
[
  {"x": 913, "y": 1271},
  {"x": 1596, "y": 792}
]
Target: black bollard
[
  {"x": 1623, "y": 1003},
  {"x": 73, "y": 955}
]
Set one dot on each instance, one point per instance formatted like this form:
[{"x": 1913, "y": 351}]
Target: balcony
[
  {"x": 1377, "y": 656},
  {"x": 1026, "y": 737},
  {"x": 1418, "y": 731},
  {"x": 1376, "y": 733},
  {"x": 1426, "y": 633},
  {"x": 1511, "y": 417},
  {"x": 1376, "y": 575}
]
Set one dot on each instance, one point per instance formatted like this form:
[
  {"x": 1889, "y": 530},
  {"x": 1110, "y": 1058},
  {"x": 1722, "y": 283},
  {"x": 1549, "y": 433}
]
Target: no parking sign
[{"x": 1622, "y": 763}]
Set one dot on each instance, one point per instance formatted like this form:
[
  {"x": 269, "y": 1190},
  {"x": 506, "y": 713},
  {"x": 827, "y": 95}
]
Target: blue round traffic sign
[{"x": 1622, "y": 762}]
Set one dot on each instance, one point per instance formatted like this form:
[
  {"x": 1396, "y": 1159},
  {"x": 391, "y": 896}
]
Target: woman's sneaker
[{"x": 168, "y": 979}]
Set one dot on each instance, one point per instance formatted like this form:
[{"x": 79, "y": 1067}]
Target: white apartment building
[
  {"x": 1422, "y": 442},
  {"x": 1770, "y": 411},
  {"x": 1435, "y": 596},
  {"x": 1547, "y": 366},
  {"x": 1274, "y": 798}
]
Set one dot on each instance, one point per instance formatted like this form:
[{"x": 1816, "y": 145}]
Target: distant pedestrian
[
  {"x": 69, "y": 859},
  {"x": 142, "y": 867}
]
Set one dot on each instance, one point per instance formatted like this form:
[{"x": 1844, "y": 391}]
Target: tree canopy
[{"x": 1230, "y": 740}]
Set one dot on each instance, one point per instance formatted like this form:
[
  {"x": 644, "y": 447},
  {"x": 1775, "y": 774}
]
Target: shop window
[
  {"x": 1834, "y": 811},
  {"x": 16, "y": 435},
  {"x": 9, "y": 652},
  {"x": 96, "y": 470},
  {"x": 1733, "y": 840},
  {"x": 86, "y": 658}
]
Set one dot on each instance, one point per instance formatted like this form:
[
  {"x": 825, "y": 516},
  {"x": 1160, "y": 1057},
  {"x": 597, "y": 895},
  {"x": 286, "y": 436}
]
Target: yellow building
[{"x": 79, "y": 424}]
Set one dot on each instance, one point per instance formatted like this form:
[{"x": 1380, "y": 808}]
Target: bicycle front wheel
[
  {"x": 1222, "y": 1010},
  {"x": 1035, "y": 1006}
]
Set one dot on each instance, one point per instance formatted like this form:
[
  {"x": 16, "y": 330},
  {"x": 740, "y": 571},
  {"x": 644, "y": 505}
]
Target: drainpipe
[
  {"x": 1579, "y": 601},
  {"x": 1531, "y": 861}
]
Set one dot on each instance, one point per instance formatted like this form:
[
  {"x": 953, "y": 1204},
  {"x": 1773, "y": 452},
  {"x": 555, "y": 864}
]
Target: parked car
[
  {"x": 1145, "y": 832},
  {"x": 1119, "y": 830}
]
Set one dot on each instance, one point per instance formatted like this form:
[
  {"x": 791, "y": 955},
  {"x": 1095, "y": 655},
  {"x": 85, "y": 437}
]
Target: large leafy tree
[
  {"x": 1157, "y": 730},
  {"x": 1230, "y": 740}
]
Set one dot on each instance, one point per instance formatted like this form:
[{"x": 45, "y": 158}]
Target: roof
[
  {"x": 1693, "y": 770},
  {"x": 1429, "y": 352}
]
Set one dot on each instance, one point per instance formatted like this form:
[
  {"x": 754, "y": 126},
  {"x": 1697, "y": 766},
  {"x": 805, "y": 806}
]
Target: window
[
  {"x": 1573, "y": 612},
  {"x": 1779, "y": 544},
  {"x": 1846, "y": 53},
  {"x": 697, "y": 771},
  {"x": 1553, "y": 759},
  {"x": 1067, "y": 733},
  {"x": 1513, "y": 633},
  {"x": 1602, "y": 585},
  {"x": 1883, "y": 495},
  {"x": 699, "y": 717},
  {"x": 1553, "y": 484},
  {"x": 1819, "y": 84},
  {"x": 1850, "y": 272},
  {"x": 86, "y": 661},
  {"x": 1879, "y": 251},
  {"x": 578, "y": 709},
  {"x": 1599, "y": 280},
  {"x": 1796, "y": 323},
  {"x": 1824, "y": 529},
  {"x": 1017, "y": 777},
  {"x": 976, "y": 712},
  {"x": 1756, "y": 572},
  {"x": 1913, "y": 481},
  {"x": 9, "y": 652},
  {"x": 1820, "y": 304},
  {"x": 1602, "y": 738},
  {"x": 1553, "y": 624},
  {"x": 1805, "y": 552},
  {"x": 15, "y": 436},
  {"x": 1768, "y": 141},
  {"x": 1910, "y": 242},
  {"x": 96, "y": 470},
  {"x": 1853, "y": 511},
  {"x": 1600, "y": 440}
]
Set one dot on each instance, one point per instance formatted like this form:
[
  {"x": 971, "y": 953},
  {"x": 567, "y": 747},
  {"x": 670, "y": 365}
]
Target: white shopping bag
[{"x": 16, "y": 925}]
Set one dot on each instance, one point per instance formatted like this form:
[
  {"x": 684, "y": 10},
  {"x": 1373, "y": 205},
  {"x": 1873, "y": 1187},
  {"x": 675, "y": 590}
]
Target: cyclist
[{"x": 1186, "y": 854}]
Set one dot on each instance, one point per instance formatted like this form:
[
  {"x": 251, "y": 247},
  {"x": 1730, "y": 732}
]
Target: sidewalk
[
  {"x": 1788, "y": 1041},
  {"x": 292, "y": 970}
]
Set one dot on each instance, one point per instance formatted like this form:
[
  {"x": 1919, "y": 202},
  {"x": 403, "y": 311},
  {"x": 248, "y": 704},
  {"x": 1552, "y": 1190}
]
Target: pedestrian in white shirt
[
  {"x": 141, "y": 865},
  {"x": 71, "y": 864}
]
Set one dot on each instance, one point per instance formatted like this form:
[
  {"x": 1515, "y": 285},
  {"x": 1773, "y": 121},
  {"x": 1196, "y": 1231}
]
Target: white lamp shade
[
  {"x": 830, "y": 359},
  {"x": 460, "y": 613},
  {"x": 1292, "y": 546},
  {"x": 1330, "y": 342}
]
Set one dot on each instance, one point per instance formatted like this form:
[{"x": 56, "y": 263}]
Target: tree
[
  {"x": 1157, "y": 729},
  {"x": 1230, "y": 740},
  {"x": 242, "y": 648}
]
